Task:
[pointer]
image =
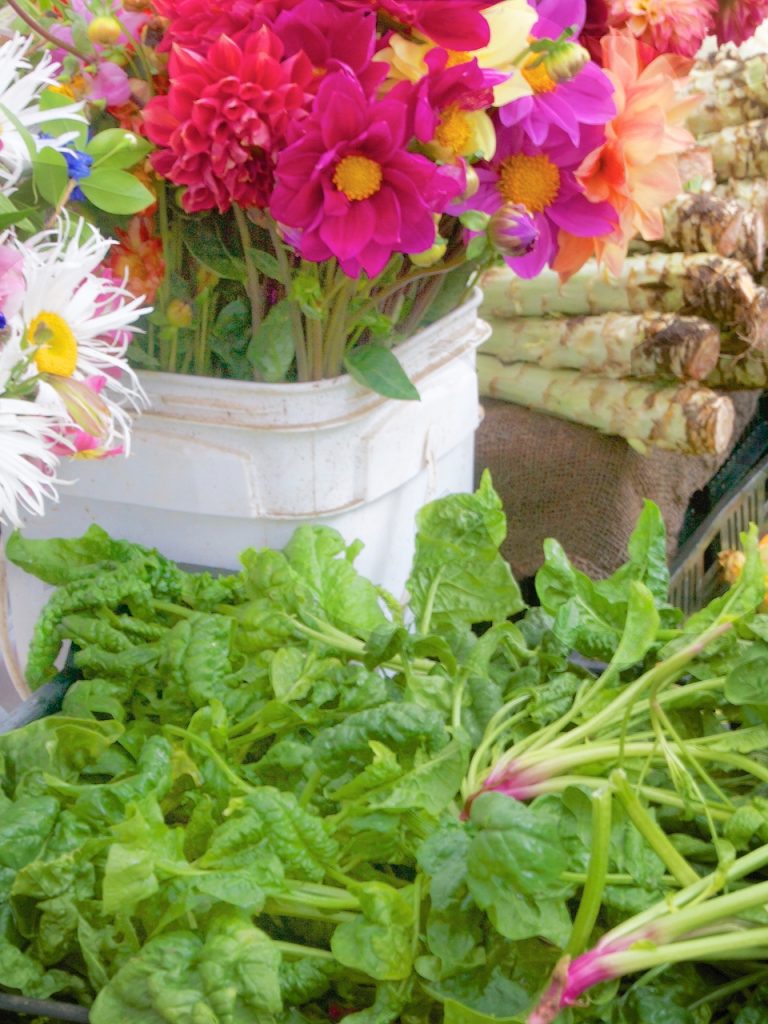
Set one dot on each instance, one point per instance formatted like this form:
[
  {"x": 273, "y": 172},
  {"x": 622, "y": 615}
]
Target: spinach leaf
[{"x": 458, "y": 577}]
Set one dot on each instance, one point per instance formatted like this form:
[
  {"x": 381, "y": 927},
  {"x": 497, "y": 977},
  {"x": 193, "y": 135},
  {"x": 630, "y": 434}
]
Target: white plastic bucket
[{"x": 217, "y": 466}]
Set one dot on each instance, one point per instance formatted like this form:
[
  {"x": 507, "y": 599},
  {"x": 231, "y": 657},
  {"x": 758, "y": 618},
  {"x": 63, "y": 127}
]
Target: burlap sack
[{"x": 559, "y": 479}]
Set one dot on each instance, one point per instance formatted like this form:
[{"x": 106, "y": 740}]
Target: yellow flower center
[
  {"x": 533, "y": 181},
  {"x": 453, "y": 132},
  {"x": 358, "y": 177},
  {"x": 536, "y": 75},
  {"x": 56, "y": 347},
  {"x": 457, "y": 57}
]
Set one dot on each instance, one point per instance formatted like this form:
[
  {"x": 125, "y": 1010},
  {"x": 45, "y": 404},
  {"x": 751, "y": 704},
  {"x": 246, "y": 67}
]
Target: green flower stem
[
  {"x": 40, "y": 30},
  {"x": 655, "y": 836},
  {"x": 377, "y": 298},
  {"x": 337, "y": 331},
  {"x": 592, "y": 894},
  {"x": 315, "y": 348},
  {"x": 297, "y": 325},
  {"x": 253, "y": 285}
]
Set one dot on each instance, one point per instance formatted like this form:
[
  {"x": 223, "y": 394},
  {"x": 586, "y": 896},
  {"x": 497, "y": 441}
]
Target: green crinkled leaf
[
  {"x": 379, "y": 941},
  {"x": 458, "y": 577},
  {"x": 402, "y": 727},
  {"x": 103, "y": 803},
  {"x": 59, "y": 746},
  {"x": 321, "y": 560},
  {"x": 228, "y": 977},
  {"x": 24, "y": 829},
  {"x": 274, "y": 821},
  {"x": 514, "y": 864}
]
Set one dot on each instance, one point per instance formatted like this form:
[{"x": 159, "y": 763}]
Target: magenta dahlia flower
[
  {"x": 540, "y": 177},
  {"x": 330, "y": 37},
  {"x": 445, "y": 88},
  {"x": 351, "y": 186},
  {"x": 587, "y": 98},
  {"x": 457, "y": 24},
  {"x": 736, "y": 20},
  {"x": 224, "y": 119}
]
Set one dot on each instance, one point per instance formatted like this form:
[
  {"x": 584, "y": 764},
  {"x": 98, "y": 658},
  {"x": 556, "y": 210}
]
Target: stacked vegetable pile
[
  {"x": 270, "y": 798},
  {"x": 646, "y": 355}
]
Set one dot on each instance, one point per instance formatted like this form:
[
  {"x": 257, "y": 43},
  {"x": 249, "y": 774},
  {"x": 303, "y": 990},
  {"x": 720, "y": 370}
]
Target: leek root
[
  {"x": 707, "y": 223},
  {"x": 713, "y": 287},
  {"x": 740, "y": 151},
  {"x": 653, "y": 345},
  {"x": 687, "y": 418},
  {"x": 735, "y": 90}
]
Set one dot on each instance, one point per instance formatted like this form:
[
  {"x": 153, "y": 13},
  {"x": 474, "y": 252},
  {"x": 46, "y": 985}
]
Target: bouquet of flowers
[
  {"x": 297, "y": 184},
  {"x": 65, "y": 320}
]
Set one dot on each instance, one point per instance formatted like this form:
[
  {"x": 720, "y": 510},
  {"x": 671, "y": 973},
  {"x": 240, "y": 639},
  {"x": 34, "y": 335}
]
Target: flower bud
[
  {"x": 179, "y": 313},
  {"x": 564, "y": 61},
  {"x": 512, "y": 231},
  {"x": 430, "y": 256},
  {"x": 472, "y": 182},
  {"x": 104, "y": 30}
]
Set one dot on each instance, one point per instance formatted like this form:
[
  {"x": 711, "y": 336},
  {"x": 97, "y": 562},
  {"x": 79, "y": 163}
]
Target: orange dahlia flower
[{"x": 635, "y": 169}]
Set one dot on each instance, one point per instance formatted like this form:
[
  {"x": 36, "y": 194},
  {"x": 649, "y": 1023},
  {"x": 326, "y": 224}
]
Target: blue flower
[
  {"x": 3, "y": 322},
  {"x": 78, "y": 166}
]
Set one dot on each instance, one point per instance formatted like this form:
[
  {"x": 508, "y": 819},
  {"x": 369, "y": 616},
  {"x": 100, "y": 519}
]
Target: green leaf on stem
[
  {"x": 377, "y": 368},
  {"x": 116, "y": 149},
  {"x": 209, "y": 249},
  {"x": 266, "y": 263},
  {"x": 458, "y": 576},
  {"x": 115, "y": 191},
  {"x": 379, "y": 941},
  {"x": 50, "y": 174},
  {"x": 271, "y": 349},
  {"x": 640, "y": 627}
]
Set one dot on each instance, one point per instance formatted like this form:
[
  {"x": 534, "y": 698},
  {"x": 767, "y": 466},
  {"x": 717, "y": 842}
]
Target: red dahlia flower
[
  {"x": 224, "y": 118},
  {"x": 351, "y": 186},
  {"x": 197, "y": 24},
  {"x": 457, "y": 24}
]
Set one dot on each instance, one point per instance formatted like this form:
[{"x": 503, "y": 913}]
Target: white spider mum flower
[
  {"x": 21, "y": 84},
  {"x": 77, "y": 322},
  {"x": 27, "y": 464}
]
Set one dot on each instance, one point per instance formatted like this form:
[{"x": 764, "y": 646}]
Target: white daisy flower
[
  {"x": 78, "y": 322},
  {"x": 27, "y": 464},
  {"x": 21, "y": 83}
]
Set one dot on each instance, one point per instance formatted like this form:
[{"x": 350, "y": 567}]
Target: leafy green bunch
[{"x": 278, "y": 796}]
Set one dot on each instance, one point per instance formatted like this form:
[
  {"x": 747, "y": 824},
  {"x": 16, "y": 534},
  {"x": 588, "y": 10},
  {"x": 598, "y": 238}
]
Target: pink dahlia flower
[
  {"x": 224, "y": 118},
  {"x": 456, "y": 24},
  {"x": 351, "y": 186},
  {"x": 736, "y": 20},
  {"x": 669, "y": 26},
  {"x": 542, "y": 179}
]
